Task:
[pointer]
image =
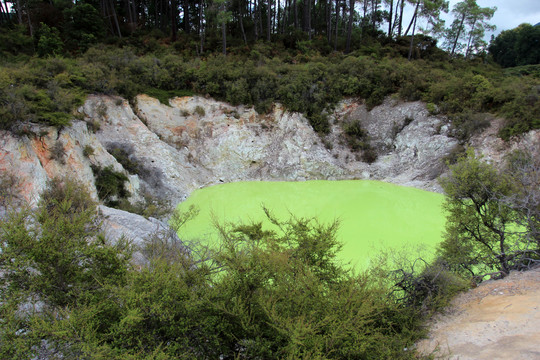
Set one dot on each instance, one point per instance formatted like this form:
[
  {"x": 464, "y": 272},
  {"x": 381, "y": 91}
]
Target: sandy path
[{"x": 497, "y": 320}]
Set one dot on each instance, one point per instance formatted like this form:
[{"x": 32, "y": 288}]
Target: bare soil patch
[{"x": 499, "y": 319}]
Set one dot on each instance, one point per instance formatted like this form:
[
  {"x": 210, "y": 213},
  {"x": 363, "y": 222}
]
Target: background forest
[{"x": 305, "y": 55}]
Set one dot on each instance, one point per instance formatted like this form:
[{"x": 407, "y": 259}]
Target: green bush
[
  {"x": 54, "y": 261},
  {"x": 124, "y": 157},
  {"x": 482, "y": 236},
  {"x": 110, "y": 185},
  {"x": 49, "y": 42}
]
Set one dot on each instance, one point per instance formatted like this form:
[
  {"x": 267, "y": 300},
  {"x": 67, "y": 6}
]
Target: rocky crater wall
[{"x": 194, "y": 142}]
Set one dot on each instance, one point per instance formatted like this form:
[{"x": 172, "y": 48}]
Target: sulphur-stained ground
[{"x": 497, "y": 320}]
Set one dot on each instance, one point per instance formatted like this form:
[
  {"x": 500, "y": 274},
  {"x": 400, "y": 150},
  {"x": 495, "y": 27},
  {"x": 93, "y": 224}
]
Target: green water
[{"x": 373, "y": 215}]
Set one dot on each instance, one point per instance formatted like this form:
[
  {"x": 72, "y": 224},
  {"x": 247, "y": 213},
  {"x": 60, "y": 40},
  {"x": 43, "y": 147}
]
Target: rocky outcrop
[
  {"x": 136, "y": 228},
  {"x": 45, "y": 153}
]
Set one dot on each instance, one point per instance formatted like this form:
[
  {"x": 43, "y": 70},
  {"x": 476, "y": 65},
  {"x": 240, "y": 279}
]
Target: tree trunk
[
  {"x": 19, "y": 11},
  {"x": 413, "y": 18},
  {"x": 310, "y": 9},
  {"x": 260, "y": 21},
  {"x": 286, "y": 14},
  {"x": 390, "y": 19},
  {"x": 224, "y": 37},
  {"x": 396, "y": 17},
  {"x": 30, "y": 27},
  {"x": 295, "y": 5},
  {"x": 269, "y": 20},
  {"x": 412, "y": 38},
  {"x": 329, "y": 21},
  {"x": 374, "y": 7},
  {"x": 241, "y": 15},
  {"x": 185, "y": 7},
  {"x": 275, "y": 15},
  {"x": 3, "y": 14},
  {"x": 470, "y": 39},
  {"x": 457, "y": 35},
  {"x": 201, "y": 29},
  {"x": 400, "y": 26},
  {"x": 337, "y": 25},
  {"x": 129, "y": 12},
  {"x": 349, "y": 27},
  {"x": 115, "y": 18},
  {"x": 174, "y": 29},
  {"x": 255, "y": 20},
  {"x": 307, "y": 17}
]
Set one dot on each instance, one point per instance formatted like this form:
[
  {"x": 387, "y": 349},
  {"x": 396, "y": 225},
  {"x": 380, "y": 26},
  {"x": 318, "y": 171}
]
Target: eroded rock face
[
  {"x": 196, "y": 142},
  {"x": 410, "y": 143},
  {"x": 236, "y": 143},
  {"x": 48, "y": 153},
  {"x": 494, "y": 149}
]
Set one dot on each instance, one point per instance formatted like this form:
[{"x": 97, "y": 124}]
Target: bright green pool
[{"x": 373, "y": 215}]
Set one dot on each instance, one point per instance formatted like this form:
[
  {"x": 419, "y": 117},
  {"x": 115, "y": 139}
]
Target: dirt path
[{"x": 497, "y": 320}]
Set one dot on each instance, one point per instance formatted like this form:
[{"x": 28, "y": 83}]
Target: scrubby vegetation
[
  {"x": 47, "y": 90},
  {"x": 308, "y": 63}
]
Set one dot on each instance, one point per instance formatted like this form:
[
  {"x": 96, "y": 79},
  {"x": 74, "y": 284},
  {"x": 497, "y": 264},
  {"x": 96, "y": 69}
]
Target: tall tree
[
  {"x": 268, "y": 20},
  {"x": 477, "y": 24},
  {"x": 391, "y": 6},
  {"x": 174, "y": 22},
  {"x": 337, "y": 24},
  {"x": 400, "y": 23},
  {"x": 470, "y": 23},
  {"x": 223, "y": 17}
]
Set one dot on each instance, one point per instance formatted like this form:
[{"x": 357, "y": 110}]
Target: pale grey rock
[
  {"x": 135, "y": 228},
  {"x": 494, "y": 149},
  {"x": 236, "y": 143},
  {"x": 165, "y": 171},
  {"x": 30, "y": 158},
  {"x": 410, "y": 143},
  {"x": 18, "y": 157}
]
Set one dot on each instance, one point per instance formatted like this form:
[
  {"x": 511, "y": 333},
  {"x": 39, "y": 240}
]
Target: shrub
[
  {"x": 432, "y": 108},
  {"x": 110, "y": 185},
  {"x": 53, "y": 261},
  {"x": 482, "y": 237},
  {"x": 10, "y": 187},
  {"x": 467, "y": 124},
  {"x": 199, "y": 110},
  {"x": 123, "y": 155},
  {"x": 58, "y": 152},
  {"x": 88, "y": 151},
  {"x": 49, "y": 42}
]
